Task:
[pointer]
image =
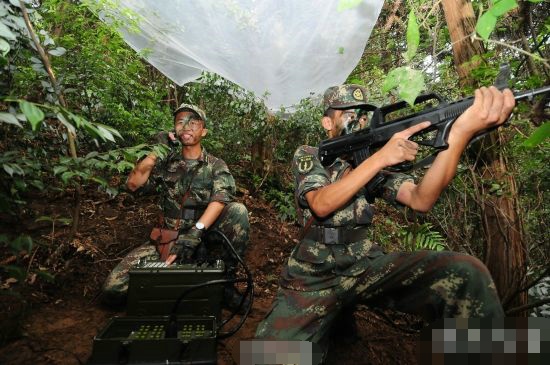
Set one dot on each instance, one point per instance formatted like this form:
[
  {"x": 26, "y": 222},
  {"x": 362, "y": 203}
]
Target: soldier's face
[
  {"x": 189, "y": 130},
  {"x": 347, "y": 122}
]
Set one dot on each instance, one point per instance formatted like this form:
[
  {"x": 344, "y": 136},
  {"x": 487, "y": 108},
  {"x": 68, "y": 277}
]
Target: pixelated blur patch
[
  {"x": 256, "y": 352},
  {"x": 519, "y": 340}
]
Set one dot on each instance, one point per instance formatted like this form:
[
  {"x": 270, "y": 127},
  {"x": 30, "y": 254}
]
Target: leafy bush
[{"x": 284, "y": 203}]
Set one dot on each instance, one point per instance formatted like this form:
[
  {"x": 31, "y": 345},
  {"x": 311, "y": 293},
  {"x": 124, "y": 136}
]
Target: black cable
[
  {"x": 171, "y": 328},
  {"x": 249, "y": 291}
]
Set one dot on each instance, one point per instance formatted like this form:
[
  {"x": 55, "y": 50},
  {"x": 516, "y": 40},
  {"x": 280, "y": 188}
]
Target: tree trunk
[
  {"x": 461, "y": 22},
  {"x": 505, "y": 250}
]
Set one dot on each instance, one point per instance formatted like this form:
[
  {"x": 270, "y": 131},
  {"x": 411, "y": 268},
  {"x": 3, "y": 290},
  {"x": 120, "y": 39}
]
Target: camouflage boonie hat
[
  {"x": 192, "y": 108},
  {"x": 345, "y": 96}
]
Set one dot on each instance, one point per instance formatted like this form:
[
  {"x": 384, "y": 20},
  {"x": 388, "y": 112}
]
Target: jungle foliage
[{"x": 115, "y": 103}]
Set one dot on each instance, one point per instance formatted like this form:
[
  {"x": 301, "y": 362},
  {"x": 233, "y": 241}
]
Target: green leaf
[
  {"x": 10, "y": 119},
  {"x": 413, "y": 37},
  {"x": 32, "y": 112},
  {"x": 4, "y": 47},
  {"x": 409, "y": 83},
  {"x": 7, "y": 167},
  {"x": 111, "y": 130},
  {"x": 104, "y": 133},
  {"x": 46, "y": 276},
  {"x": 91, "y": 155},
  {"x": 37, "y": 184},
  {"x": 5, "y": 32},
  {"x": 124, "y": 166},
  {"x": 393, "y": 79},
  {"x": 485, "y": 25},
  {"x": 341, "y": 50},
  {"x": 502, "y": 7},
  {"x": 411, "y": 87},
  {"x": 43, "y": 218},
  {"x": 15, "y": 272},
  {"x": 99, "y": 180},
  {"x": 58, "y": 169},
  {"x": 356, "y": 81},
  {"x": 21, "y": 243},
  {"x": 347, "y": 4},
  {"x": 65, "y": 221},
  {"x": 66, "y": 123},
  {"x": 59, "y": 51},
  {"x": 66, "y": 176},
  {"x": 539, "y": 135},
  {"x": 13, "y": 169}
]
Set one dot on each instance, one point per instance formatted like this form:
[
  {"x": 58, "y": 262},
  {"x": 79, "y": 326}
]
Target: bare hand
[
  {"x": 171, "y": 259},
  {"x": 399, "y": 149},
  {"x": 491, "y": 107}
]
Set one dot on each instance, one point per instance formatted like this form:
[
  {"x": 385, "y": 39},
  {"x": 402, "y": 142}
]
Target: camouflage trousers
[
  {"x": 428, "y": 283},
  {"x": 232, "y": 222}
]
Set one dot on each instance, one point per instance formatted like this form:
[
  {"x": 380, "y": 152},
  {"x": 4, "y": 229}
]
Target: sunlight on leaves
[
  {"x": 10, "y": 119},
  {"x": 409, "y": 83},
  {"x": 485, "y": 25},
  {"x": 6, "y": 32},
  {"x": 33, "y": 113},
  {"x": 413, "y": 37},
  {"x": 4, "y": 47},
  {"x": 487, "y": 22},
  {"x": 502, "y": 7}
]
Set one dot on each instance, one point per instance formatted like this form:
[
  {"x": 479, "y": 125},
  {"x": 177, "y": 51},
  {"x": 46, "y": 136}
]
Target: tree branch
[{"x": 527, "y": 306}]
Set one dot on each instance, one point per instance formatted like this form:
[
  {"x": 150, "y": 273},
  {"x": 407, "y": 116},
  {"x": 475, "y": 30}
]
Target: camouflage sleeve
[
  {"x": 223, "y": 187},
  {"x": 391, "y": 187},
  {"x": 308, "y": 172}
]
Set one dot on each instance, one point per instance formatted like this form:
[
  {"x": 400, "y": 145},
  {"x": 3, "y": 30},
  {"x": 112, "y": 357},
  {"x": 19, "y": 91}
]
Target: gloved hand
[
  {"x": 167, "y": 138},
  {"x": 186, "y": 244}
]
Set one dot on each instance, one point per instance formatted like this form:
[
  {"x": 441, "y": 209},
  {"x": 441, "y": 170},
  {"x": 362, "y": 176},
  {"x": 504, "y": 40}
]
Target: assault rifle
[{"x": 358, "y": 146}]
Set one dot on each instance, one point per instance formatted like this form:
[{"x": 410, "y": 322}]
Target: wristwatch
[{"x": 199, "y": 226}]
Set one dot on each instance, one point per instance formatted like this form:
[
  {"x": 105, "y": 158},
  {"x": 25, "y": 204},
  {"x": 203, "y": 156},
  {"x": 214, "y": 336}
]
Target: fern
[{"x": 422, "y": 237}]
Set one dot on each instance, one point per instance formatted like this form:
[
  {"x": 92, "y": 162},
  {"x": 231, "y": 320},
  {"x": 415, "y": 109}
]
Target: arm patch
[{"x": 305, "y": 164}]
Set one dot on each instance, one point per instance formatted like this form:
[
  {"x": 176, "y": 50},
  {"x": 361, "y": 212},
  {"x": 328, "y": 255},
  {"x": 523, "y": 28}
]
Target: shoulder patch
[{"x": 305, "y": 163}]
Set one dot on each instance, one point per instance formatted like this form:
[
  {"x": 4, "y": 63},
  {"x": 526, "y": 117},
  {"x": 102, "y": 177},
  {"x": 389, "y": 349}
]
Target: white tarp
[{"x": 289, "y": 49}]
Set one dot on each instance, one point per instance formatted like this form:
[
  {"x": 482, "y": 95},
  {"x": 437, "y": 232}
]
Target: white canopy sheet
[{"x": 287, "y": 49}]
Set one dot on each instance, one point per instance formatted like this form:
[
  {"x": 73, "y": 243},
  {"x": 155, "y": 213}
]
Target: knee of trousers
[
  {"x": 469, "y": 268},
  {"x": 234, "y": 223}
]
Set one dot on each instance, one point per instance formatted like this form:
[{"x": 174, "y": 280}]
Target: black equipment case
[{"x": 140, "y": 337}]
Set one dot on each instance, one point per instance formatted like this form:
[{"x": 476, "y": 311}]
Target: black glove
[
  {"x": 186, "y": 245},
  {"x": 164, "y": 138}
]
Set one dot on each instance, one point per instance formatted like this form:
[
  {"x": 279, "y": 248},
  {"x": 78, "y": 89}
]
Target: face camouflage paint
[
  {"x": 190, "y": 122},
  {"x": 350, "y": 123}
]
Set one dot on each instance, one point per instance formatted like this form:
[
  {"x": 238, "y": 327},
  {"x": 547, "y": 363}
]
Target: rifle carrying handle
[{"x": 379, "y": 117}]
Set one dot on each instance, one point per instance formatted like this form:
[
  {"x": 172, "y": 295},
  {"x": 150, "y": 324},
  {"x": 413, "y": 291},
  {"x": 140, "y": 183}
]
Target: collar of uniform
[{"x": 202, "y": 158}]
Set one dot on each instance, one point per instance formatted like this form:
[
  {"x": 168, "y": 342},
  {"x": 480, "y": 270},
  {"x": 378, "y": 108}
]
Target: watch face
[{"x": 199, "y": 225}]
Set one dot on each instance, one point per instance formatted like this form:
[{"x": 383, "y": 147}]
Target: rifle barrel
[{"x": 529, "y": 94}]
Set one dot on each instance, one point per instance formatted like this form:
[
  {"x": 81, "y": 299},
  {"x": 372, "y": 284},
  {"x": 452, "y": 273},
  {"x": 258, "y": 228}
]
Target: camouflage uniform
[
  {"x": 324, "y": 274},
  {"x": 208, "y": 180}
]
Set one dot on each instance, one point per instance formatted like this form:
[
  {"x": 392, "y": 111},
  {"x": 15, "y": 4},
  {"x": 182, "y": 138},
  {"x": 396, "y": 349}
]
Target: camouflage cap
[
  {"x": 192, "y": 108},
  {"x": 345, "y": 96}
]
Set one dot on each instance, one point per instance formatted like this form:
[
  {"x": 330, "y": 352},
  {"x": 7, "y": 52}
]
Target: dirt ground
[{"x": 56, "y": 323}]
